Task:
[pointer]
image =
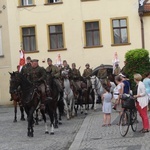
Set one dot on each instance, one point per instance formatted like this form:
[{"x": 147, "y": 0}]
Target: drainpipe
[
  {"x": 142, "y": 32},
  {"x": 141, "y": 10}
]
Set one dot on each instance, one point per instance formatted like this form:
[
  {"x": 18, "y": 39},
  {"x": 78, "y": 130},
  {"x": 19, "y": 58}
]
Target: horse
[
  {"x": 68, "y": 96},
  {"x": 16, "y": 97},
  {"x": 30, "y": 98},
  {"x": 98, "y": 88}
]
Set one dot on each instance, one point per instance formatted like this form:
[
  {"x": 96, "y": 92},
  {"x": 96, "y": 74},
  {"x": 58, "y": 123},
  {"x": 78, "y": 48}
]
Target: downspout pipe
[
  {"x": 142, "y": 32},
  {"x": 141, "y": 10}
]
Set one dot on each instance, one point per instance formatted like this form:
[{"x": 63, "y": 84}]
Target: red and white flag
[{"x": 22, "y": 59}]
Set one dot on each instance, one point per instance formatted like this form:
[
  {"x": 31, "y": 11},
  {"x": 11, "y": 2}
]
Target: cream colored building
[{"x": 80, "y": 30}]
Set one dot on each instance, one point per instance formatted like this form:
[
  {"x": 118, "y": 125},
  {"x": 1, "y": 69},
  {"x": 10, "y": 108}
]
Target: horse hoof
[
  {"x": 22, "y": 119},
  {"x": 85, "y": 113},
  {"x": 52, "y": 133},
  {"x": 15, "y": 120},
  {"x": 36, "y": 123},
  {"x": 46, "y": 132},
  {"x": 60, "y": 123},
  {"x": 81, "y": 112},
  {"x": 56, "y": 126}
]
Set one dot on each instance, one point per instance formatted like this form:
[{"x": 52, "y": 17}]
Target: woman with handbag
[{"x": 141, "y": 102}]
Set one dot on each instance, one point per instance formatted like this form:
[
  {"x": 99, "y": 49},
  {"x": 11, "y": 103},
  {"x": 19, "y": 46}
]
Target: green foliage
[{"x": 137, "y": 61}]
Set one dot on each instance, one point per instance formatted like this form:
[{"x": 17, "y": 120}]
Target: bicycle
[{"x": 128, "y": 117}]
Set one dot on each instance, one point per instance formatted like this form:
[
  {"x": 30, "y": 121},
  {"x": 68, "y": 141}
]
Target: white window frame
[{"x": 1, "y": 42}]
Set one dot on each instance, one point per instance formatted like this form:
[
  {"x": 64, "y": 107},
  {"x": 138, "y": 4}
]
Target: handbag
[{"x": 127, "y": 101}]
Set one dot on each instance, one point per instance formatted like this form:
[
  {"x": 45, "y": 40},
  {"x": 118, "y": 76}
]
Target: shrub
[{"x": 137, "y": 61}]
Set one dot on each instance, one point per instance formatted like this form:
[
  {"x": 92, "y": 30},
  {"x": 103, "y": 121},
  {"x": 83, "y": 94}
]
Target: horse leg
[
  {"x": 73, "y": 110},
  {"x": 96, "y": 97},
  {"x": 44, "y": 118},
  {"x": 55, "y": 119},
  {"x": 51, "y": 115},
  {"x": 22, "y": 113},
  {"x": 93, "y": 95},
  {"x": 15, "y": 111},
  {"x": 30, "y": 123},
  {"x": 66, "y": 108},
  {"x": 37, "y": 117}
]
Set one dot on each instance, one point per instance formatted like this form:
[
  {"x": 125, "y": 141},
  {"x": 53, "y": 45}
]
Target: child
[{"x": 106, "y": 97}]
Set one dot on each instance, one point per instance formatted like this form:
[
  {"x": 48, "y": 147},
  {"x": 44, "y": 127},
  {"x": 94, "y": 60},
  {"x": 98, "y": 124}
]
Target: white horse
[
  {"x": 68, "y": 97},
  {"x": 98, "y": 88}
]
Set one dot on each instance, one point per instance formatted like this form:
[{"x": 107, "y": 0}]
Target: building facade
[{"x": 82, "y": 31}]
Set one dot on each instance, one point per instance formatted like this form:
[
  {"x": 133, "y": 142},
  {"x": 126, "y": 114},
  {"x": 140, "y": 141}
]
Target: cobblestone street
[{"x": 80, "y": 133}]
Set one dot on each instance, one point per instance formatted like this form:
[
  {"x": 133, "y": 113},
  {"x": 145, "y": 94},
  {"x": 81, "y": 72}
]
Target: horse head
[
  {"x": 14, "y": 82},
  {"x": 64, "y": 73}
]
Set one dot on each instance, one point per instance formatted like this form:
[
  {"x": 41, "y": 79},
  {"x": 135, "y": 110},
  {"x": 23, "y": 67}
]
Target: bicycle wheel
[
  {"x": 124, "y": 123},
  {"x": 134, "y": 120}
]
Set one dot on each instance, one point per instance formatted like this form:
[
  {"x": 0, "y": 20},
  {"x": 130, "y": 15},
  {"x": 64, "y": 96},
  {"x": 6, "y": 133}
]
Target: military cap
[
  {"x": 28, "y": 58},
  {"x": 87, "y": 64},
  {"x": 48, "y": 59},
  {"x": 34, "y": 60}
]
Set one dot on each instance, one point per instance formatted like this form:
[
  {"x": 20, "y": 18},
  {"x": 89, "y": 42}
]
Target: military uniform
[
  {"x": 68, "y": 70},
  {"x": 37, "y": 75},
  {"x": 117, "y": 71},
  {"x": 55, "y": 72},
  {"x": 102, "y": 74},
  {"x": 26, "y": 69},
  {"x": 86, "y": 73},
  {"x": 76, "y": 78}
]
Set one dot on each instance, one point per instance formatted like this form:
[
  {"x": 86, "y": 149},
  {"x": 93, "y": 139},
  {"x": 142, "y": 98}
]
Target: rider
[
  {"x": 37, "y": 75},
  {"x": 27, "y": 67},
  {"x": 55, "y": 72},
  {"x": 86, "y": 73},
  {"x": 102, "y": 74},
  {"x": 67, "y": 68},
  {"x": 76, "y": 78}
]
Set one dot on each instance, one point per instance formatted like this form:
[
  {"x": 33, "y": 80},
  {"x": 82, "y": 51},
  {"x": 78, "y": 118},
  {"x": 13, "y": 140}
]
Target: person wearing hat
[
  {"x": 76, "y": 78},
  {"x": 117, "y": 69},
  {"x": 27, "y": 67},
  {"x": 102, "y": 74},
  {"x": 87, "y": 72},
  {"x": 54, "y": 72},
  {"x": 66, "y": 68},
  {"x": 37, "y": 75}
]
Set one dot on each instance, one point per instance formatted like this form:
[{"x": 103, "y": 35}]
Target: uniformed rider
[
  {"x": 86, "y": 74},
  {"x": 37, "y": 75},
  {"x": 76, "y": 77},
  {"x": 54, "y": 72},
  {"x": 27, "y": 67}
]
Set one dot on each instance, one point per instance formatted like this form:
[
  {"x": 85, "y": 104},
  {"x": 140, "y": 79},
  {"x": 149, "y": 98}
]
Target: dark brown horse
[
  {"x": 30, "y": 98},
  {"x": 16, "y": 97}
]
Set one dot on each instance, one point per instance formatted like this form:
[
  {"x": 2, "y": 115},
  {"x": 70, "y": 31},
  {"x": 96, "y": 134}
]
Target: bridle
[{"x": 95, "y": 84}]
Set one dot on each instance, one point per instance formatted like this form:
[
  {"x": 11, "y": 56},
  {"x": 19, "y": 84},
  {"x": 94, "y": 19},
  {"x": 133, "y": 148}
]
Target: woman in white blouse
[{"x": 142, "y": 102}]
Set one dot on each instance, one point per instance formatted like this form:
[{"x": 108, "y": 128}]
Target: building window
[
  {"x": 56, "y": 37},
  {"x": 29, "y": 39},
  {"x": 54, "y": 1},
  {"x": 120, "y": 31},
  {"x": 26, "y": 2},
  {"x": 92, "y": 33},
  {"x": 1, "y": 47}
]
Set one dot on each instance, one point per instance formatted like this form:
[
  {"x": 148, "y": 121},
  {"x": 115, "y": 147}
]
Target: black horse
[
  {"x": 57, "y": 101},
  {"x": 31, "y": 100},
  {"x": 16, "y": 97}
]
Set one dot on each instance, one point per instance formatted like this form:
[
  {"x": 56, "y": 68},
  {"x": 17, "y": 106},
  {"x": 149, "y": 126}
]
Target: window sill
[
  {"x": 46, "y": 4},
  {"x": 1, "y": 56},
  {"x": 22, "y": 6},
  {"x": 26, "y": 52},
  {"x": 93, "y": 46},
  {"x": 53, "y": 50},
  {"x": 124, "y": 44}
]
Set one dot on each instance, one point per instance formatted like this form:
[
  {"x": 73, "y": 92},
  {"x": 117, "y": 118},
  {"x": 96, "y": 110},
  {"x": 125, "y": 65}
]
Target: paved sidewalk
[{"x": 92, "y": 136}]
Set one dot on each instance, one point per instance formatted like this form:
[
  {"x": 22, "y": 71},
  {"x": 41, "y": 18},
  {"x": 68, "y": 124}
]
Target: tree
[{"x": 137, "y": 61}]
